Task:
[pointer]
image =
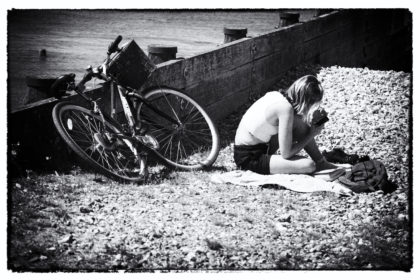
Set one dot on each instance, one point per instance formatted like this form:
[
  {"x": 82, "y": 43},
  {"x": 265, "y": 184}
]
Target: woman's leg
[
  {"x": 298, "y": 164},
  {"x": 295, "y": 165},
  {"x": 299, "y": 131}
]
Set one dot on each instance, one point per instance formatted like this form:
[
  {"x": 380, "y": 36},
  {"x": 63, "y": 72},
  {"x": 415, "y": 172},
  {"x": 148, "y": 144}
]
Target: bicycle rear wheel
[
  {"x": 97, "y": 144},
  {"x": 191, "y": 140}
]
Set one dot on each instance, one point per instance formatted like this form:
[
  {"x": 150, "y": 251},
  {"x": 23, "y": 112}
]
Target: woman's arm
[{"x": 285, "y": 134}]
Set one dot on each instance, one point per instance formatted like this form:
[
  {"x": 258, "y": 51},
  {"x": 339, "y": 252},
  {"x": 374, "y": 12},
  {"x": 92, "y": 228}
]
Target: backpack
[{"x": 367, "y": 176}]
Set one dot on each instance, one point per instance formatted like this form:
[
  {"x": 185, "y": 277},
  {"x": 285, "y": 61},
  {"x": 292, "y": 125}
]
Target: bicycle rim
[
  {"x": 193, "y": 142},
  {"x": 96, "y": 143}
]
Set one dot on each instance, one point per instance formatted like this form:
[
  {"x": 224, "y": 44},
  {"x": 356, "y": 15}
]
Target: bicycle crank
[{"x": 148, "y": 141}]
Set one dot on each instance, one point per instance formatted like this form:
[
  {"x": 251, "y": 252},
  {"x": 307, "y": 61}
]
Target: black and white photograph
[{"x": 181, "y": 139}]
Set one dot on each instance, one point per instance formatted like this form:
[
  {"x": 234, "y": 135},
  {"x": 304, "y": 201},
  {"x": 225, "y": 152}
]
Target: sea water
[{"x": 74, "y": 39}]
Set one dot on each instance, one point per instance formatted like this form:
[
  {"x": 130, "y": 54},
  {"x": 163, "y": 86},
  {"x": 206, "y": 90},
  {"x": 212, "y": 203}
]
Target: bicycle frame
[{"x": 127, "y": 107}]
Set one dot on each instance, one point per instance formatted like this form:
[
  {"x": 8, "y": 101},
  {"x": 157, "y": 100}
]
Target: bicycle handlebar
[
  {"x": 113, "y": 47},
  {"x": 66, "y": 82}
]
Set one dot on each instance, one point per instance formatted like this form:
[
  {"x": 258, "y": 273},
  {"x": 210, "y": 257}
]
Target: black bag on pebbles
[{"x": 367, "y": 176}]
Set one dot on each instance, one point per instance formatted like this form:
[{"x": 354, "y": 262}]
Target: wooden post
[
  {"x": 43, "y": 54},
  {"x": 232, "y": 34},
  {"x": 288, "y": 19},
  {"x": 161, "y": 53}
]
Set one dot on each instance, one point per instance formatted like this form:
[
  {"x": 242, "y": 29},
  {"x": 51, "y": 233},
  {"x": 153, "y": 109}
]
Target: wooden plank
[
  {"x": 321, "y": 44},
  {"x": 288, "y": 38},
  {"x": 378, "y": 23},
  {"x": 328, "y": 23},
  {"x": 284, "y": 39},
  {"x": 276, "y": 63},
  {"x": 229, "y": 104},
  {"x": 169, "y": 74},
  {"x": 212, "y": 90},
  {"x": 233, "y": 55},
  {"x": 212, "y": 63},
  {"x": 375, "y": 49},
  {"x": 343, "y": 55},
  {"x": 265, "y": 69},
  {"x": 97, "y": 92},
  {"x": 185, "y": 73},
  {"x": 235, "y": 100},
  {"x": 342, "y": 50}
]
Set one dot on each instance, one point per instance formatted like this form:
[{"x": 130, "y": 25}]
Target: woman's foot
[{"x": 324, "y": 164}]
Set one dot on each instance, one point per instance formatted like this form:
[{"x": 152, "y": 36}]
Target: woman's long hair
[{"x": 304, "y": 93}]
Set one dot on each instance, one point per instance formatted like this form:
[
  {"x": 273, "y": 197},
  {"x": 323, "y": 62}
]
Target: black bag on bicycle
[{"x": 131, "y": 66}]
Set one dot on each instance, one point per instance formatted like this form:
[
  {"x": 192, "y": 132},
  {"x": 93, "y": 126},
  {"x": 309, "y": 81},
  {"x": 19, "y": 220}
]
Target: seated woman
[{"x": 283, "y": 118}]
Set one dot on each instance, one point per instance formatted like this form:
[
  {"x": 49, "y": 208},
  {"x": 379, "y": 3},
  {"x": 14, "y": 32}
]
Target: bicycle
[{"x": 161, "y": 121}]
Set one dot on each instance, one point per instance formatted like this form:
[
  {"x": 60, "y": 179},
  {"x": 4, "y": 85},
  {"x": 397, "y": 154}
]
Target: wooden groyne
[{"x": 225, "y": 78}]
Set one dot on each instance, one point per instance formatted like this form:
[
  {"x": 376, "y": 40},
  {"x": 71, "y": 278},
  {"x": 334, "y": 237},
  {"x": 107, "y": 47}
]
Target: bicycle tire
[
  {"x": 80, "y": 129},
  {"x": 196, "y": 131}
]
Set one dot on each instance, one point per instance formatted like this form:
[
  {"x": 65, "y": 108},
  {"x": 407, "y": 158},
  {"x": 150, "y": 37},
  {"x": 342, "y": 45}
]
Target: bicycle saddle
[{"x": 61, "y": 84}]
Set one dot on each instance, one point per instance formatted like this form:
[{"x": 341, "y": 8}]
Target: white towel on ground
[{"x": 294, "y": 182}]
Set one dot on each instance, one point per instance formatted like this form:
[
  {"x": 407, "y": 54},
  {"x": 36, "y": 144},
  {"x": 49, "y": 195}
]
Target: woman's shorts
[{"x": 252, "y": 157}]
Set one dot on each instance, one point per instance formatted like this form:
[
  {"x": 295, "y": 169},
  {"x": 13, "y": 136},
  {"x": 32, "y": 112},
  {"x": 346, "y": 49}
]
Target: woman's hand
[{"x": 316, "y": 129}]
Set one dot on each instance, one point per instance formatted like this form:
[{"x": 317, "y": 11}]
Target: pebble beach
[{"x": 78, "y": 221}]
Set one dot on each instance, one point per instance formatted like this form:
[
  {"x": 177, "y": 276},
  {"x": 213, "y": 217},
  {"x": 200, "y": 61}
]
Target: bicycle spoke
[
  {"x": 82, "y": 131},
  {"x": 185, "y": 151},
  {"x": 186, "y": 116},
  {"x": 173, "y": 110},
  {"x": 85, "y": 123},
  {"x": 177, "y": 152},
  {"x": 195, "y": 145},
  {"x": 121, "y": 167},
  {"x": 168, "y": 145},
  {"x": 104, "y": 156},
  {"x": 170, "y": 135},
  {"x": 113, "y": 163},
  {"x": 158, "y": 133},
  {"x": 188, "y": 145},
  {"x": 96, "y": 125},
  {"x": 190, "y": 117},
  {"x": 100, "y": 156},
  {"x": 92, "y": 138},
  {"x": 199, "y": 131},
  {"x": 81, "y": 135},
  {"x": 192, "y": 143}
]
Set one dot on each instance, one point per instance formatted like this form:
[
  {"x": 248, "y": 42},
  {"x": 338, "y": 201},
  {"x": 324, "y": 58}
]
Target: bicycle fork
[{"x": 127, "y": 110}]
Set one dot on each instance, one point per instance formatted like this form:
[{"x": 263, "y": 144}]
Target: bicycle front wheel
[
  {"x": 188, "y": 139},
  {"x": 97, "y": 143}
]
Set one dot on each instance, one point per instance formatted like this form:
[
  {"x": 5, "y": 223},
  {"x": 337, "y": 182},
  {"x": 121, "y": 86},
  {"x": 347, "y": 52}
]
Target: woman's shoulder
[
  {"x": 273, "y": 93},
  {"x": 280, "y": 106}
]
